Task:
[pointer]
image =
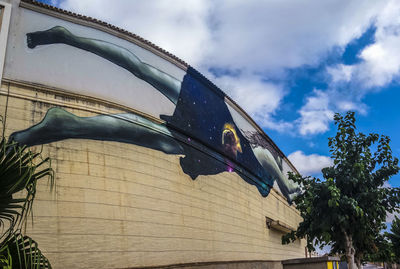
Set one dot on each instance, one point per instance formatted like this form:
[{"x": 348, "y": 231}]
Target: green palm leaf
[
  {"x": 23, "y": 252},
  {"x": 20, "y": 169}
]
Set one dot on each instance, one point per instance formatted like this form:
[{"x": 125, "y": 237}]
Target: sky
[{"x": 290, "y": 64}]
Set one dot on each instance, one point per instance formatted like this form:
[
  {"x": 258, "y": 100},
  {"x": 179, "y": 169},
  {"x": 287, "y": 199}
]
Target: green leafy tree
[
  {"x": 20, "y": 169},
  {"x": 347, "y": 209},
  {"x": 394, "y": 236}
]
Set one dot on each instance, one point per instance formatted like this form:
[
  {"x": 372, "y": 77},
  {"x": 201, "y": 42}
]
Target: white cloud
[
  {"x": 259, "y": 99},
  {"x": 347, "y": 105},
  {"x": 270, "y": 35},
  {"x": 379, "y": 64},
  {"x": 309, "y": 164},
  {"x": 381, "y": 61},
  {"x": 252, "y": 93},
  {"x": 315, "y": 114},
  {"x": 257, "y": 38},
  {"x": 340, "y": 73}
]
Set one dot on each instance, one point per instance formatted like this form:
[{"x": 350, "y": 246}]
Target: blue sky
[{"x": 290, "y": 64}]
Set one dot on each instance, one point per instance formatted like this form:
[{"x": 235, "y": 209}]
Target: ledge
[{"x": 278, "y": 225}]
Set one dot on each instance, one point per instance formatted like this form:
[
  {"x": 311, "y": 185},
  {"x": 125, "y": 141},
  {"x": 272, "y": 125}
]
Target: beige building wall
[{"x": 119, "y": 205}]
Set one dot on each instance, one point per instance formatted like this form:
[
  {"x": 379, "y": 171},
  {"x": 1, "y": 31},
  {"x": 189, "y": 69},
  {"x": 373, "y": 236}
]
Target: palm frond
[
  {"x": 20, "y": 169},
  {"x": 21, "y": 251}
]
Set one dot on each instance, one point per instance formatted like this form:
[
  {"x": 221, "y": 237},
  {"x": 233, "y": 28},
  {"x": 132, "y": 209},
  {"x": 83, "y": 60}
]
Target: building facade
[{"x": 155, "y": 166}]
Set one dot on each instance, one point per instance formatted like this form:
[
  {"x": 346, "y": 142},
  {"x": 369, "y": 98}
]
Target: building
[{"x": 155, "y": 165}]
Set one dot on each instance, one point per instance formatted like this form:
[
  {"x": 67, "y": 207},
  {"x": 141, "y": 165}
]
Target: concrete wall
[{"x": 119, "y": 205}]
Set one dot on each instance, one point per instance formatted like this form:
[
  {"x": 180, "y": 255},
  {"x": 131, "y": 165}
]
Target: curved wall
[{"x": 154, "y": 164}]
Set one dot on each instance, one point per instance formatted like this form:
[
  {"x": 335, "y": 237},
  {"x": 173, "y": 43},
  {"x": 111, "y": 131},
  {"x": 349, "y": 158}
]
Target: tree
[
  {"x": 20, "y": 169},
  {"x": 347, "y": 209}
]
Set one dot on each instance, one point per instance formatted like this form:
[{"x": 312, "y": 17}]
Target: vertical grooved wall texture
[{"x": 119, "y": 205}]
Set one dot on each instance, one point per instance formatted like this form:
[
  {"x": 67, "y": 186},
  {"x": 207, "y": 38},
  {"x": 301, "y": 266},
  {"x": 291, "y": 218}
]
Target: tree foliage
[
  {"x": 394, "y": 236},
  {"x": 384, "y": 250},
  {"x": 347, "y": 209},
  {"x": 20, "y": 169},
  {"x": 388, "y": 245}
]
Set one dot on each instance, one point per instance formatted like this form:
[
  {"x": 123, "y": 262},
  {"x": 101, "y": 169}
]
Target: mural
[{"x": 201, "y": 120}]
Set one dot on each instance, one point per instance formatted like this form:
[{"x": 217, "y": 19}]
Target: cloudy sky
[{"x": 289, "y": 64}]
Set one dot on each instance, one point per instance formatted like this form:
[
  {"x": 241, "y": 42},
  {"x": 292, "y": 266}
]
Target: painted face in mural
[
  {"x": 231, "y": 141},
  {"x": 200, "y": 113}
]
